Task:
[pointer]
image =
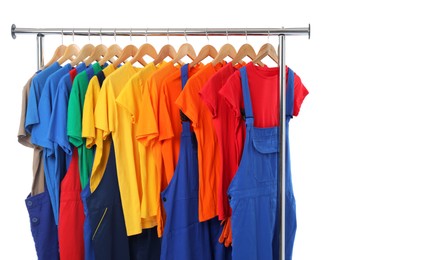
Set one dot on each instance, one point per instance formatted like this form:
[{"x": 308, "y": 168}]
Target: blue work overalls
[
  {"x": 253, "y": 192},
  {"x": 184, "y": 236}
]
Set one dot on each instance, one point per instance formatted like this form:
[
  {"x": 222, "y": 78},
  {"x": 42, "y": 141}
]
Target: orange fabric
[
  {"x": 169, "y": 122},
  {"x": 226, "y": 234},
  {"x": 196, "y": 110},
  {"x": 150, "y": 138}
]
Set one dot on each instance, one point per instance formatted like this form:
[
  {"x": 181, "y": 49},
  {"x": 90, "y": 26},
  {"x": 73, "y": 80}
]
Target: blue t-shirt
[
  {"x": 57, "y": 131},
  {"x": 56, "y": 161},
  {"x": 37, "y": 85},
  {"x": 45, "y": 105}
]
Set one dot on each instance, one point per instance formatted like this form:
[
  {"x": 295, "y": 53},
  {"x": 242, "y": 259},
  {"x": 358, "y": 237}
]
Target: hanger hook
[
  {"x": 100, "y": 34},
  {"x": 185, "y": 33},
  {"x": 131, "y": 34},
  {"x": 89, "y": 34},
  {"x": 168, "y": 35},
  {"x": 73, "y": 35},
  {"x": 146, "y": 35},
  {"x": 62, "y": 36},
  {"x": 207, "y": 37},
  {"x": 115, "y": 35},
  {"x": 227, "y": 35},
  {"x": 268, "y": 34}
]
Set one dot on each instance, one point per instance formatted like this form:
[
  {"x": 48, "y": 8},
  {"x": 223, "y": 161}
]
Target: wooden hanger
[
  {"x": 246, "y": 50},
  {"x": 227, "y": 50},
  {"x": 128, "y": 51},
  {"x": 113, "y": 50},
  {"x": 206, "y": 51},
  {"x": 99, "y": 52},
  {"x": 186, "y": 49},
  {"x": 166, "y": 51},
  {"x": 145, "y": 49},
  {"x": 70, "y": 53},
  {"x": 85, "y": 52},
  {"x": 267, "y": 49},
  {"x": 59, "y": 52}
]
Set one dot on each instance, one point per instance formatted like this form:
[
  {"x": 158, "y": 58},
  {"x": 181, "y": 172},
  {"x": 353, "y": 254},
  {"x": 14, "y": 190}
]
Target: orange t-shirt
[
  {"x": 169, "y": 121},
  {"x": 196, "y": 110},
  {"x": 147, "y": 130}
]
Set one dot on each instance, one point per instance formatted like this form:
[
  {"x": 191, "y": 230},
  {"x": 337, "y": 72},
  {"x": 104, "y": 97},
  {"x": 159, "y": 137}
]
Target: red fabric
[
  {"x": 264, "y": 92},
  {"x": 73, "y": 74},
  {"x": 71, "y": 216},
  {"x": 225, "y": 123}
]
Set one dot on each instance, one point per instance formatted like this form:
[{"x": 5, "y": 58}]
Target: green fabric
[{"x": 74, "y": 123}]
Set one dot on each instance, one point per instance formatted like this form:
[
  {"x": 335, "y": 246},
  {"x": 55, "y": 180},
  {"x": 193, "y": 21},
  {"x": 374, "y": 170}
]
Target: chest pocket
[{"x": 265, "y": 158}]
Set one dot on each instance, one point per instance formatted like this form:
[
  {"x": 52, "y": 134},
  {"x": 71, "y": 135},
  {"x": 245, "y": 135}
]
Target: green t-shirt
[{"x": 74, "y": 121}]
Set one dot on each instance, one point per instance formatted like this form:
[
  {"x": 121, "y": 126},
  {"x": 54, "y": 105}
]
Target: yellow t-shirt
[
  {"x": 148, "y": 135},
  {"x": 92, "y": 134},
  {"x": 130, "y": 101},
  {"x": 115, "y": 120}
]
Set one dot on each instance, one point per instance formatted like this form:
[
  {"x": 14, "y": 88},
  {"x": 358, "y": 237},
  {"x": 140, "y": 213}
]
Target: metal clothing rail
[{"x": 280, "y": 32}]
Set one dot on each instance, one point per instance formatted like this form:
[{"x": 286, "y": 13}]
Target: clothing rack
[{"x": 280, "y": 32}]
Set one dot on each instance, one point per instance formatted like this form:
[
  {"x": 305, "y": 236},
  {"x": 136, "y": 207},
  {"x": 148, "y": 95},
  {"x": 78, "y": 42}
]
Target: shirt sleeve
[
  {"x": 188, "y": 100},
  {"x": 88, "y": 118},
  {"x": 103, "y": 109},
  {"x": 57, "y": 130},
  {"x": 232, "y": 94},
  {"x": 32, "y": 116},
  {"x": 146, "y": 125},
  {"x": 74, "y": 116},
  {"x": 300, "y": 92},
  {"x": 209, "y": 96},
  {"x": 127, "y": 97},
  {"x": 166, "y": 130},
  {"x": 23, "y": 136}
]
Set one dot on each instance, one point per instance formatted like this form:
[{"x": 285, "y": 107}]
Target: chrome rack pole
[
  {"x": 281, "y": 159},
  {"x": 162, "y": 31},
  {"x": 40, "y": 51}
]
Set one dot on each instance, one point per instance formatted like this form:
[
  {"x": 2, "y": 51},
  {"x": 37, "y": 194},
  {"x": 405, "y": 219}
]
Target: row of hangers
[{"x": 116, "y": 55}]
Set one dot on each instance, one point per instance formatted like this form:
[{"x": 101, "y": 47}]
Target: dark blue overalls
[
  {"x": 184, "y": 236},
  {"x": 253, "y": 192}
]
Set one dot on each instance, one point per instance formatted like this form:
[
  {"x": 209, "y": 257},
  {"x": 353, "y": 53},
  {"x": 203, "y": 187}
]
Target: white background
[{"x": 356, "y": 144}]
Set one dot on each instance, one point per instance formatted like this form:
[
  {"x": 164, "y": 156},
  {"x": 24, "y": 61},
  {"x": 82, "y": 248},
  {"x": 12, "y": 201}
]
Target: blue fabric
[
  {"x": 253, "y": 191},
  {"x": 146, "y": 245},
  {"x": 184, "y": 236},
  {"x": 57, "y": 131},
  {"x": 290, "y": 209},
  {"x": 43, "y": 228},
  {"x": 87, "y": 230},
  {"x": 184, "y": 75},
  {"x": 37, "y": 85},
  {"x": 56, "y": 161},
  {"x": 109, "y": 237},
  {"x": 40, "y": 136}
]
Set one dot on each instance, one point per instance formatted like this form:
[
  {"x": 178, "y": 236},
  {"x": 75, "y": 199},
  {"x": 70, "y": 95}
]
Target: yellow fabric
[
  {"x": 131, "y": 100},
  {"x": 92, "y": 134},
  {"x": 147, "y": 133},
  {"x": 115, "y": 120}
]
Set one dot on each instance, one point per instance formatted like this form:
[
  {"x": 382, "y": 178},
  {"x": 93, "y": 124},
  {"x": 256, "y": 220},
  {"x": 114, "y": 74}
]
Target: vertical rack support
[
  {"x": 281, "y": 176},
  {"x": 40, "y": 51}
]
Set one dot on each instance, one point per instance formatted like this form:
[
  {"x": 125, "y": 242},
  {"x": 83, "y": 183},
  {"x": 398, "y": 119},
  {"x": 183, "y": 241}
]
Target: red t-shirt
[
  {"x": 71, "y": 216},
  {"x": 73, "y": 74},
  {"x": 225, "y": 123},
  {"x": 264, "y": 92}
]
